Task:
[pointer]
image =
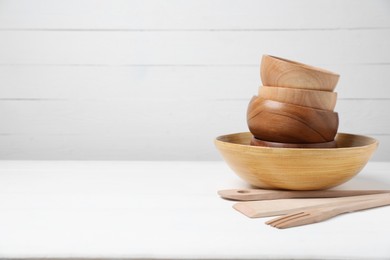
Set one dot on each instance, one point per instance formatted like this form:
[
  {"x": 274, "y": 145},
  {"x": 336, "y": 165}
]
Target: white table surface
[{"x": 166, "y": 210}]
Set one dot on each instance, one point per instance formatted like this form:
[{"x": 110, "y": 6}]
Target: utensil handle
[
  {"x": 379, "y": 201},
  {"x": 260, "y": 194},
  {"x": 253, "y": 194}
]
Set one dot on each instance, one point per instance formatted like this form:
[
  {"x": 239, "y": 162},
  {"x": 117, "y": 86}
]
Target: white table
[{"x": 166, "y": 210}]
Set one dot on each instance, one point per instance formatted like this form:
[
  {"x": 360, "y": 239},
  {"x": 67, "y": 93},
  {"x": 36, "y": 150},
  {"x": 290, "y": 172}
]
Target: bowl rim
[
  {"x": 302, "y": 65},
  {"x": 373, "y": 142},
  {"x": 307, "y": 90},
  {"x": 261, "y": 99}
]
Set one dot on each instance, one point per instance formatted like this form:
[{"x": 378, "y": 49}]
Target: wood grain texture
[
  {"x": 261, "y": 194},
  {"x": 257, "y": 142},
  {"x": 274, "y": 121},
  {"x": 268, "y": 208},
  {"x": 281, "y": 72},
  {"x": 327, "y": 211},
  {"x": 294, "y": 168},
  {"x": 325, "y": 100}
]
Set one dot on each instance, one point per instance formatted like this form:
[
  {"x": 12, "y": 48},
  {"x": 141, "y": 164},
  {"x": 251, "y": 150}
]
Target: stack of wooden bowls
[{"x": 295, "y": 106}]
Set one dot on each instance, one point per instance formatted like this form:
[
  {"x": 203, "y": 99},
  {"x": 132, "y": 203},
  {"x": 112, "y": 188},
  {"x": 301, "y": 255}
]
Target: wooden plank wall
[{"x": 159, "y": 80}]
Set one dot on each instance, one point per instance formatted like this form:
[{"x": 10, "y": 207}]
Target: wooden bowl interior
[
  {"x": 344, "y": 140},
  {"x": 302, "y": 65},
  {"x": 257, "y": 142}
]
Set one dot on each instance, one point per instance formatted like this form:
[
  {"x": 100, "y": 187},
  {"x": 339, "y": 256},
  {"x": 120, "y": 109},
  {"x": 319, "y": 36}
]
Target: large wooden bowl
[
  {"x": 275, "y": 121},
  {"x": 296, "y": 168},
  {"x": 302, "y": 97},
  {"x": 279, "y": 72}
]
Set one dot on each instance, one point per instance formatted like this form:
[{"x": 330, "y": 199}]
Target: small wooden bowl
[
  {"x": 324, "y": 100},
  {"x": 281, "y": 72},
  {"x": 274, "y": 121},
  {"x": 257, "y": 142},
  {"x": 295, "y": 168}
]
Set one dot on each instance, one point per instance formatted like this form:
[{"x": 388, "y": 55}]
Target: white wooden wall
[{"x": 159, "y": 80}]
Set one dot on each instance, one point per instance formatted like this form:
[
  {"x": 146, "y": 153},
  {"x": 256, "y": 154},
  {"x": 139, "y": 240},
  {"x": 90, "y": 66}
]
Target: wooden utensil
[
  {"x": 279, "y": 72},
  {"x": 268, "y": 208},
  {"x": 324, "y": 212},
  {"x": 261, "y": 194},
  {"x": 276, "y": 121},
  {"x": 302, "y": 97}
]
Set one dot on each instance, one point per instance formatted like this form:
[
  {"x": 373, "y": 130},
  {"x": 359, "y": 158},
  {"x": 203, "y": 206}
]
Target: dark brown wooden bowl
[{"x": 275, "y": 121}]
